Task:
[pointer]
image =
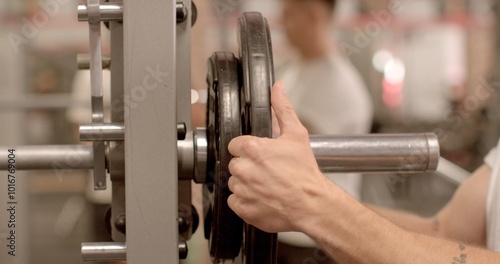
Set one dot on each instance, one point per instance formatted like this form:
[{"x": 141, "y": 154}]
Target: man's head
[
  {"x": 306, "y": 20},
  {"x": 329, "y": 5}
]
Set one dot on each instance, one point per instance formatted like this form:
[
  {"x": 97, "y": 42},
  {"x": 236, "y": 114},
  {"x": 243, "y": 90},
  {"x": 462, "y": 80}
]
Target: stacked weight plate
[{"x": 238, "y": 104}]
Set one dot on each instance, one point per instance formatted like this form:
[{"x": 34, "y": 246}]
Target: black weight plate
[
  {"x": 223, "y": 124},
  {"x": 257, "y": 66},
  {"x": 256, "y": 58}
]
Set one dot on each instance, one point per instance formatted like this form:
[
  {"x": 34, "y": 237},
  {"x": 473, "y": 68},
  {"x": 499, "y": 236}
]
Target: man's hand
[
  {"x": 275, "y": 182},
  {"x": 277, "y": 186}
]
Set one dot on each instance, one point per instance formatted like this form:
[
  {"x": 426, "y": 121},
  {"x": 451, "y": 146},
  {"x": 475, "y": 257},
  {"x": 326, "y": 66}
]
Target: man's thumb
[{"x": 285, "y": 113}]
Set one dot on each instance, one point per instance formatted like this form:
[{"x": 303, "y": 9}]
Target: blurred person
[
  {"x": 328, "y": 93},
  {"x": 277, "y": 190}
]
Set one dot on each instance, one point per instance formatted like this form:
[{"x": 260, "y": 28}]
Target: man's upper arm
[{"x": 464, "y": 217}]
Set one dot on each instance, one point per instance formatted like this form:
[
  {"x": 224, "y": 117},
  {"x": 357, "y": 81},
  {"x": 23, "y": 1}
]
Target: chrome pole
[
  {"x": 102, "y": 132},
  {"x": 108, "y": 12},
  {"x": 112, "y": 251},
  {"x": 48, "y": 157}
]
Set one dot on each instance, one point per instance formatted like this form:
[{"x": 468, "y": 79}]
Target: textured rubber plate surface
[
  {"x": 257, "y": 67},
  {"x": 223, "y": 124}
]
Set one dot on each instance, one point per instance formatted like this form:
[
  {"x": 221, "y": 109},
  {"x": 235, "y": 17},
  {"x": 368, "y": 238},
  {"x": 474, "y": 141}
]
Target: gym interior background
[{"x": 430, "y": 66}]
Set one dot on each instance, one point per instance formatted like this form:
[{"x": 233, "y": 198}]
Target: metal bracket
[{"x": 94, "y": 19}]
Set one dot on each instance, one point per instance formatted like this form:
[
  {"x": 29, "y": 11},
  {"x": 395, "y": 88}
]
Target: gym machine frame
[{"x": 152, "y": 153}]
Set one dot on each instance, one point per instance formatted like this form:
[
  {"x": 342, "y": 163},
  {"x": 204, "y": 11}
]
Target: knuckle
[
  {"x": 237, "y": 190},
  {"x": 230, "y": 184},
  {"x": 231, "y": 202},
  {"x": 236, "y": 205},
  {"x": 236, "y": 169},
  {"x": 302, "y": 133},
  {"x": 244, "y": 213},
  {"x": 288, "y": 107},
  {"x": 232, "y": 165},
  {"x": 251, "y": 148},
  {"x": 234, "y": 187}
]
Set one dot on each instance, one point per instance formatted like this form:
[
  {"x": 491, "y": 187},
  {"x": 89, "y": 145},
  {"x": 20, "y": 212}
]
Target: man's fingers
[
  {"x": 238, "y": 206},
  {"x": 285, "y": 114},
  {"x": 236, "y": 168},
  {"x": 230, "y": 183},
  {"x": 276, "y": 125},
  {"x": 235, "y": 146},
  {"x": 245, "y": 146},
  {"x": 231, "y": 201}
]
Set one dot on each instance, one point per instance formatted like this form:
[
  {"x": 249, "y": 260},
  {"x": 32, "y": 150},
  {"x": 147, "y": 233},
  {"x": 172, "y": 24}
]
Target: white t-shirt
[
  {"x": 330, "y": 98},
  {"x": 493, "y": 201}
]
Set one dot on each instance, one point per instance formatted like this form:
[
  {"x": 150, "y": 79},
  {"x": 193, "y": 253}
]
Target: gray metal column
[
  {"x": 117, "y": 115},
  {"x": 150, "y": 131},
  {"x": 183, "y": 80}
]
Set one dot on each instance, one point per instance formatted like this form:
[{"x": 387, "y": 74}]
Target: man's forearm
[
  {"x": 351, "y": 233},
  {"x": 408, "y": 221}
]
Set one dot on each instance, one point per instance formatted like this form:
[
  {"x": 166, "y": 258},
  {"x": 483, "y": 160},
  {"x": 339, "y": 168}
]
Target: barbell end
[{"x": 434, "y": 151}]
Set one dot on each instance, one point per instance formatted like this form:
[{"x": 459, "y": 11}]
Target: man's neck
[{"x": 321, "y": 48}]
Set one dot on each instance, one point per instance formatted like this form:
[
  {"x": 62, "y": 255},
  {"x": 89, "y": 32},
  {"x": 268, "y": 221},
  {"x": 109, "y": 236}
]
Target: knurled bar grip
[{"x": 94, "y": 20}]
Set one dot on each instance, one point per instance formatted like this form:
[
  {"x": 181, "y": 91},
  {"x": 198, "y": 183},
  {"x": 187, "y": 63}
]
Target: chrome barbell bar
[{"x": 389, "y": 153}]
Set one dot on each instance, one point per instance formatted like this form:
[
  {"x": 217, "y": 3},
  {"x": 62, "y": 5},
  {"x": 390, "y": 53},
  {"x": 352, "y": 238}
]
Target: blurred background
[{"x": 429, "y": 66}]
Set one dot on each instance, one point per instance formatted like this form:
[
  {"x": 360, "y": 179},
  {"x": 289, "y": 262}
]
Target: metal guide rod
[
  {"x": 112, "y": 251},
  {"x": 51, "y": 157},
  {"x": 109, "y": 12},
  {"x": 115, "y": 132},
  {"x": 114, "y": 12},
  {"x": 115, "y": 251},
  {"x": 102, "y": 132},
  {"x": 83, "y": 61}
]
